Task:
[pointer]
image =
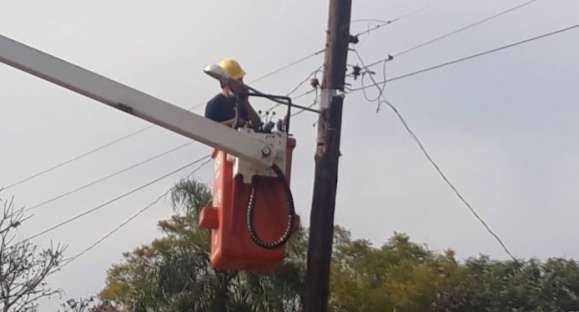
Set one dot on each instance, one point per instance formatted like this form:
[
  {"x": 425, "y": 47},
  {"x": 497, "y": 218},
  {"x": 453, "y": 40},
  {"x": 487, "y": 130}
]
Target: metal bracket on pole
[{"x": 327, "y": 95}]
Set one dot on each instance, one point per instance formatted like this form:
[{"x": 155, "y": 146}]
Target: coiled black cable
[{"x": 291, "y": 215}]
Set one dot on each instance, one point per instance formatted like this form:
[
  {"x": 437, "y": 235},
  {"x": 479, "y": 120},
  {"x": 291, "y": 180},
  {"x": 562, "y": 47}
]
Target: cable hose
[{"x": 291, "y": 215}]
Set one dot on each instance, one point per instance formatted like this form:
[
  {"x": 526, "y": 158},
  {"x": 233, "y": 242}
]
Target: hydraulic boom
[{"x": 250, "y": 148}]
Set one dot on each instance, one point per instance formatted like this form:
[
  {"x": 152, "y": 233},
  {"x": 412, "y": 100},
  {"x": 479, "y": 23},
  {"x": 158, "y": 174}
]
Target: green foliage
[
  {"x": 399, "y": 276},
  {"x": 173, "y": 274},
  {"x": 485, "y": 285},
  {"x": 404, "y": 277}
]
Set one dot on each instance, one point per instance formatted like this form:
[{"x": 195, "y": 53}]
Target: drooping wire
[
  {"x": 470, "y": 57},
  {"x": 381, "y": 98},
  {"x": 126, "y": 194},
  {"x": 127, "y": 221},
  {"x": 109, "y": 176},
  {"x": 447, "y": 180},
  {"x": 381, "y": 89},
  {"x": 456, "y": 31},
  {"x": 82, "y": 155}
]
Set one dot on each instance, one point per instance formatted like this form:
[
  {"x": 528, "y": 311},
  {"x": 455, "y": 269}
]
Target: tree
[
  {"x": 23, "y": 267},
  {"x": 405, "y": 277},
  {"x": 173, "y": 272},
  {"x": 90, "y": 304},
  {"x": 482, "y": 284},
  {"x": 399, "y": 276}
]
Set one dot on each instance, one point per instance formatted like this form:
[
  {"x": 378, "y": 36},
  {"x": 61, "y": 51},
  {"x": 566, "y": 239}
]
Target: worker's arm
[{"x": 251, "y": 113}]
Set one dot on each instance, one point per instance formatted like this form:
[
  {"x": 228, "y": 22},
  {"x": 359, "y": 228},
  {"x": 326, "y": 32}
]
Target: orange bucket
[{"x": 232, "y": 247}]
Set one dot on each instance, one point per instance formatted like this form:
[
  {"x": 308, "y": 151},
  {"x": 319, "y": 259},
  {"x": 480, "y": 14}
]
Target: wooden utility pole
[{"x": 327, "y": 155}]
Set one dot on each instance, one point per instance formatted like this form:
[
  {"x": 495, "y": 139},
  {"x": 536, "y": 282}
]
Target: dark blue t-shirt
[{"x": 220, "y": 108}]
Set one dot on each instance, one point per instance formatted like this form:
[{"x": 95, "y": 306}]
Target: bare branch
[{"x": 23, "y": 267}]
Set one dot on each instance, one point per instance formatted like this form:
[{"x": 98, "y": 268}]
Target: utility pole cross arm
[{"x": 133, "y": 102}]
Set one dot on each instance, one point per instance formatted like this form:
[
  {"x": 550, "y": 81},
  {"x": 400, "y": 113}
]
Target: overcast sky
[{"x": 503, "y": 127}]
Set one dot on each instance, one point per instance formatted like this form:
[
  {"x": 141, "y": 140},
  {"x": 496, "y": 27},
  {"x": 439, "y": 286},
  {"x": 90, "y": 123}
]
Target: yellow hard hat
[{"x": 231, "y": 68}]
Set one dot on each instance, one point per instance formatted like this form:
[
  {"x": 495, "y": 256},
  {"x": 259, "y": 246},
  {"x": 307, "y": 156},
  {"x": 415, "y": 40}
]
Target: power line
[
  {"x": 309, "y": 106},
  {"x": 284, "y": 67},
  {"x": 120, "y": 226},
  {"x": 466, "y": 58},
  {"x": 314, "y": 73},
  {"x": 448, "y": 182},
  {"x": 416, "y": 139},
  {"x": 305, "y": 93},
  {"x": 382, "y": 22},
  {"x": 66, "y": 162},
  {"x": 375, "y": 20},
  {"x": 104, "y": 178},
  {"x": 54, "y": 227},
  {"x": 380, "y": 88},
  {"x": 456, "y": 31},
  {"x": 131, "y": 218},
  {"x": 82, "y": 155},
  {"x": 318, "y": 52}
]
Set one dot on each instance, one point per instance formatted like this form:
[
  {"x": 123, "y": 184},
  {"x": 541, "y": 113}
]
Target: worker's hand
[{"x": 229, "y": 123}]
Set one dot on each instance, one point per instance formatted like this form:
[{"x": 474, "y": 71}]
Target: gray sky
[{"x": 504, "y": 127}]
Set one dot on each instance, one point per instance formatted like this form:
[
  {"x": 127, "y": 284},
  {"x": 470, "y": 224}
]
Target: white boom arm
[{"x": 134, "y": 102}]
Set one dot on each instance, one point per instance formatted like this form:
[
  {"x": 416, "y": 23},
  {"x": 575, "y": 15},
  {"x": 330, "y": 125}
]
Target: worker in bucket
[{"x": 231, "y": 106}]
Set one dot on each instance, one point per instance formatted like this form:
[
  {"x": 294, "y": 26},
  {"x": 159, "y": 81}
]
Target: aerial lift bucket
[{"x": 233, "y": 246}]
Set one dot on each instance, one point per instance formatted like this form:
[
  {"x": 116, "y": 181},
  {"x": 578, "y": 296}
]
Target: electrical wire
[
  {"x": 374, "y": 20},
  {"x": 318, "y": 52},
  {"x": 66, "y": 162},
  {"x": 104, "y": 178},
  {"x": 82, "y": 155},
  {"x": 118, "y": 228},
  {"x": 470, "y": 57},
  {"x": 382, "y": 22},
  {"x": 447, "y": 180},
  {"x": 305, "y": 93},
  {"x": 127, "y": 221},
  {"x": 380, "y": 89},
  {"x": 314, "y": 73},
  {"x": 416, "y": 139},
  {"x": 309, "y": 106},
  {"x": 122, "y": 138},
  {"x": 284, "y": 67},
  {"x": 87, "y": 212},
  {"x": 456, "y": 31}
]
